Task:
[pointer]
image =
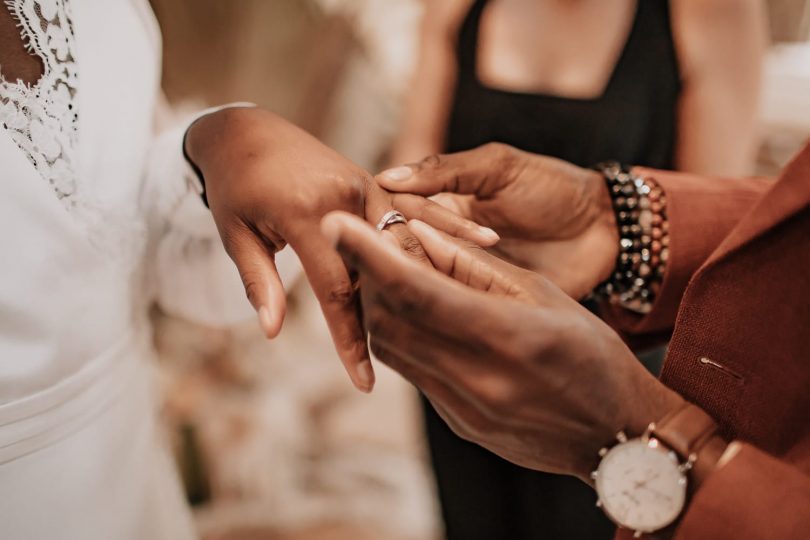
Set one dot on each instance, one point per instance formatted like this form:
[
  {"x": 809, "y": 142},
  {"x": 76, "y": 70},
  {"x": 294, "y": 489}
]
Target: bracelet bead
[{"x": 639, "y": 205}]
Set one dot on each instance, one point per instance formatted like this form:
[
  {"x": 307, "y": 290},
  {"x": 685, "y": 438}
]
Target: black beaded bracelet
[{"x": 640, "y": 208}]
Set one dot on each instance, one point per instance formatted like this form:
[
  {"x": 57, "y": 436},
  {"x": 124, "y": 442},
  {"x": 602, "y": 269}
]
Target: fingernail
[
  {"x": 397, "y": 174},
  {"x": 265, "y": 321},
  {"x": 489, "y": 234},
  {"x": 365, "y": 376}
]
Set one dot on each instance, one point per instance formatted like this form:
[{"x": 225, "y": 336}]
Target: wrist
[
  {"x": 639, "y": 207},
  {"x": 645, "y": 484},
  {"x": 214, "y": 141}
]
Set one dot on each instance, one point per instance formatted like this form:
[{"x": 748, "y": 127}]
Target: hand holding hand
[
  {"x": 552, "y": 217},
  {"x": 508, "y": 360}
]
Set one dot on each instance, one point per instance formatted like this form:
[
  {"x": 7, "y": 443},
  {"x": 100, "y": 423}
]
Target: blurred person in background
[{"x": 666, "y": 84}]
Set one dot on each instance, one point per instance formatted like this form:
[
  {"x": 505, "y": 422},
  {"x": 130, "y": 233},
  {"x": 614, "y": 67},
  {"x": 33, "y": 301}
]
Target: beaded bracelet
[{"x": 640, "y": 208}]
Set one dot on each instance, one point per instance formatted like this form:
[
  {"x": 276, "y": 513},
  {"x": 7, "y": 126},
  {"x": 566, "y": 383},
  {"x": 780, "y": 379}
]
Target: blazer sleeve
[
  {"x": 754, "y": 496},
  {"x": 701, "y": 211}
]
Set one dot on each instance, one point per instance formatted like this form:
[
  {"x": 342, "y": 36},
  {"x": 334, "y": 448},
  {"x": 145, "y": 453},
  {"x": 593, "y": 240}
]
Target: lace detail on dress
[{"x": 42, "y": 118}]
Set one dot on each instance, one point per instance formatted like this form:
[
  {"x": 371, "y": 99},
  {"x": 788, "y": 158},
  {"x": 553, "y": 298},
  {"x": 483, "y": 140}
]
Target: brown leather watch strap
[
  {"x": 685, "y": 430},
  {"x": 692, "y": 434}
]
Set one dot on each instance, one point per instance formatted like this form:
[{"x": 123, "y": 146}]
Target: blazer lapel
[{"x": 789, "y": 195}]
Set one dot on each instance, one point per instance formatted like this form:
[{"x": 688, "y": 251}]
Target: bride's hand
[{"x": 268, "y": 184}]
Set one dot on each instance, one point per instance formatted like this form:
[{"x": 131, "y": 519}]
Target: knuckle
[
  {"x": 252, "y": 289},
  {"x": 534, "y": 344},
  {"x": 412, "y": 247},
  {"x": 234, "y": 236},
  {"x": 379, "y": 351},
  {"x": 518, "y": 343},
  {"x": 501, "y": 153},
  {"x": 341, "y": 294},
  {"x": 433, "y": 161},
  {"x": 376, "y": 322},
  {"x": 339, "y": 191},
  {"x": 519, "y": 338},
  {"x": 493, "y": 147},
  {"x": 351, "y": 187},
  {"x": 537, "y": 346},
  {"x": 497, "y": 396},
  {"x": 410, "y": 301}
]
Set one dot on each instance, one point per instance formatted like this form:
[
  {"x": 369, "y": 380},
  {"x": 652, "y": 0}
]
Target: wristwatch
[{"x": 642, "y": 482}]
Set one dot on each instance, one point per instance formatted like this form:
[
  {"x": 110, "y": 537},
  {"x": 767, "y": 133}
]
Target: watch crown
[
  {"x": 637, "y": 534},
  {"x": 621, "y": 437},
  {"x": 603, "y": 451},
  {"x": 594, "y": 474},
  {"x": 599, "y": 503}
]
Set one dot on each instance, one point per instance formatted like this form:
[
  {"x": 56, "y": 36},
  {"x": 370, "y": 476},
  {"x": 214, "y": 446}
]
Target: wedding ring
[{"x": 390, "y": 218}]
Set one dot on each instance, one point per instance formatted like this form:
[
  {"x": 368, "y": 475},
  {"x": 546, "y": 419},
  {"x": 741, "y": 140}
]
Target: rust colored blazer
[{"x": 737, "y": 291}]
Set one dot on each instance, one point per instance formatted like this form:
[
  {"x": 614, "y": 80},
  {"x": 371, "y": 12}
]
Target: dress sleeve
[
  {"x": 701, "y": 212},
  {"x": 189, "y": 272}
]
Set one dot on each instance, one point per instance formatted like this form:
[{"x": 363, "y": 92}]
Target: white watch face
[{"x": 640, "y": 485}]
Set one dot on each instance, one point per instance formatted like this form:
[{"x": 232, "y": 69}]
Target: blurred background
[{"x": 272, "y": 441}]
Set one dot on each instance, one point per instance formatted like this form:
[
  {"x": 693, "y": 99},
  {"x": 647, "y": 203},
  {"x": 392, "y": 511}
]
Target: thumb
[
  {"x": 257, "y": 268},
  {"x": 481, "y": 172}
]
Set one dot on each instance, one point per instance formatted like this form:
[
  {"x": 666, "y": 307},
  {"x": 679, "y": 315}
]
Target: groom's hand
[
  {"x": 268, "y": 184},
  {"x": 509, "y": 361},
  {"x": 553, "y": 217}
]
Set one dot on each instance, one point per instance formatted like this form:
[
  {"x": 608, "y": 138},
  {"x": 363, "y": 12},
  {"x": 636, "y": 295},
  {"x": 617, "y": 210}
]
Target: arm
[
  {"x": 427, "y": 105},
  {"x": 720, "y": 46},
  {"x": 701, "y": 212},
  {"x": 268, "y": 183},
  {"x": 538, "y": 380}
]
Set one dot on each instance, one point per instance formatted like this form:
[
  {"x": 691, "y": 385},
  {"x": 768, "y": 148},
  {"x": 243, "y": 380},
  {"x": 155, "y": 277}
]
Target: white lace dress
[{"x": 96, "y": 222}]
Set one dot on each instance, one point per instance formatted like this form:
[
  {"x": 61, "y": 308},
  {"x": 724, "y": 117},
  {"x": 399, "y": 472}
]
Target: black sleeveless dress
[{"x": 634, "y": 121}]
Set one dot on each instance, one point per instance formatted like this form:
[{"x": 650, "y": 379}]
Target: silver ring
[{"x": 390, "y": 218}]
